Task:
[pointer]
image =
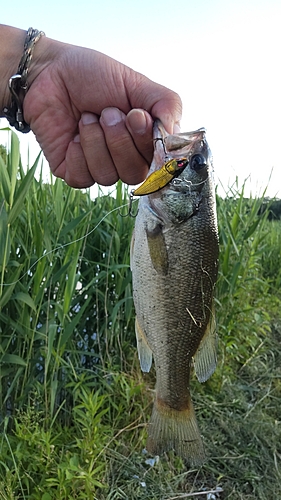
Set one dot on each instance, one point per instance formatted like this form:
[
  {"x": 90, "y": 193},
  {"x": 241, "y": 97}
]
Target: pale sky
[{"x": 221, "y": 56}]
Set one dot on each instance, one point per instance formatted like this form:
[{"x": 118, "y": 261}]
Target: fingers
[
  {"x": 140, "y": 125},
  {"x": 108, "y": 148},
  {"x": 74, "y": 169},
  {"x": 97, "y": 155},
  {"x": 131, "y": 165},
  {"x": 88, "y": 159}
]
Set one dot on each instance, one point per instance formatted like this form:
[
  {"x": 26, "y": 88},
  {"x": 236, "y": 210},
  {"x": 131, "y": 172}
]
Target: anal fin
[
  {"x": 144, "y": 351},
  {"x": 205, "y": 358}
]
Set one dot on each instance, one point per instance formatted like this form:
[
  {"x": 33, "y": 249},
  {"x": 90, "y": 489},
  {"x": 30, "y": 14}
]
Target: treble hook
[
  {"x": 163, "y": 144},
  {"x": 130, "y": 211}
]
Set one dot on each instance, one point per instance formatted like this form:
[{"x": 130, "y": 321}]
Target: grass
[{"x": 74, "y": 405}]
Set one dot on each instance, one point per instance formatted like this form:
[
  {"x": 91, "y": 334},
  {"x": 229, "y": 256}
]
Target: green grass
[{"x": 74, "y": 405}]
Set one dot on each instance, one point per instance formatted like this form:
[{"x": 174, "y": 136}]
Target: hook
[
  {"x": 130, "y": 211},
  {"x": 163, "y": 144}
]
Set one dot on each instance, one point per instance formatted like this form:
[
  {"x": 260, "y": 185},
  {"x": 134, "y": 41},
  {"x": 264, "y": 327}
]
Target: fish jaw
[
  {"x": 175, "y": 146},
  {"x": 181, "y": 197}
]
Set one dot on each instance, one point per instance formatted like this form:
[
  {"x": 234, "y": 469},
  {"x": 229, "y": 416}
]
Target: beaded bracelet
[{"x": 18, "y": 83}]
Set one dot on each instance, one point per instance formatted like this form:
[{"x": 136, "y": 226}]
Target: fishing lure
[
  {"x": 160, "y": 178},
  {"x": 156, "y": 181}
]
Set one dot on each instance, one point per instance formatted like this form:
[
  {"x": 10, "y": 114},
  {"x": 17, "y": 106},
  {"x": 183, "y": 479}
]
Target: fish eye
[{"x": 197, "y": 162}]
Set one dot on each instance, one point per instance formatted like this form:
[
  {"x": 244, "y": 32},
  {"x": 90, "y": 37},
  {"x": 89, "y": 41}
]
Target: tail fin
[{"x": 177, "y": 430}]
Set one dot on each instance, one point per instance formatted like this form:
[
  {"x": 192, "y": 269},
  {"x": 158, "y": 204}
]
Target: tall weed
[
  {"x": 242, "y": 289},
  {"x": 65, "y": 292}
]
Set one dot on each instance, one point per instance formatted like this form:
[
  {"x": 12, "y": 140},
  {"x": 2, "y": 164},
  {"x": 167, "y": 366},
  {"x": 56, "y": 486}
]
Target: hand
[{"x": 93, "y": 116}]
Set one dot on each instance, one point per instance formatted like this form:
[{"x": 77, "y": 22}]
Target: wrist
[
  {"x": 11, "y": 49},
  {"x": 23, "y": 59}
]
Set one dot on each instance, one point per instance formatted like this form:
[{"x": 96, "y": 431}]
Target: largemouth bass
[{"x": 174, "y": 261}]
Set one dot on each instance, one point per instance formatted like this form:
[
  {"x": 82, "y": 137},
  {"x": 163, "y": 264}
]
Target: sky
[{"x": 221, "y": 56}]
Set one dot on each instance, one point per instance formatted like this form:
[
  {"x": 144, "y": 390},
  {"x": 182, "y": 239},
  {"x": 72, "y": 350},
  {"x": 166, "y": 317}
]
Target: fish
[{"x": 174, "y": 263}]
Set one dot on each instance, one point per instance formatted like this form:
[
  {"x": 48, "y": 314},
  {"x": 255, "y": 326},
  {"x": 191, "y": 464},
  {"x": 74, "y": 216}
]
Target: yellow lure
[{"x": 160, "y": 178}]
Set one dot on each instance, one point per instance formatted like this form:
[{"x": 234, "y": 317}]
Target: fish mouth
[
  {"x": 172, "y": 154},
  {"x": 184, "y": 142},
  {"x": 181, "y": 145}
]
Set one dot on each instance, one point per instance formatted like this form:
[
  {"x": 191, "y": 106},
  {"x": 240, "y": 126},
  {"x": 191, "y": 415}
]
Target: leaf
[
  {"x": 21, "y": 193},
  {"x": 58, "y": 196},
  {"x": 69, "y": 329},
  {"x": 235, "y": 274},
  {"x": 13, "y": 164},
  {"x": 61, "y": 271},
  {"x": 251, "y": 229},
  {"x": 54, "y": 388},
  {"x": 51, "y": 335},
  {"x": 72, "y": 224},
  {"x": 46, "y": 496},
  {"x": 5, "y": 241},
  {"x": 14, "y": 359},
  {"x": 26, "y": 299},
  {"x": 73, "y": 277},
  {"x": 4, "y": 180},
  {"x": 8, "y": 289}
]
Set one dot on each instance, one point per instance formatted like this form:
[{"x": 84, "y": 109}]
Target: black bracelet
[{"x": 18, "y": 83}]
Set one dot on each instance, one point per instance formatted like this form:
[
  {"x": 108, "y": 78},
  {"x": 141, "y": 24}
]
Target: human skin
[{"x": 91, "y": 115}]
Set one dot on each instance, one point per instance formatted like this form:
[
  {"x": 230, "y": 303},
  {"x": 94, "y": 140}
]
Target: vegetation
[{"x": 74, "y": 403}]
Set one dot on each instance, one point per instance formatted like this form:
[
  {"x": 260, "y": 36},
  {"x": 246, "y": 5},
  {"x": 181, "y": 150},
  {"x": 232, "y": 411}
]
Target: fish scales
[{"x": 174, "y": 266}]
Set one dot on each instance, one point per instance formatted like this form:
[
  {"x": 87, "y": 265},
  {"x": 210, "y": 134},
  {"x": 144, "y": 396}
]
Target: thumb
[
  {"x": 159, "y": 101},
  {"x": 169, "y": 110}
]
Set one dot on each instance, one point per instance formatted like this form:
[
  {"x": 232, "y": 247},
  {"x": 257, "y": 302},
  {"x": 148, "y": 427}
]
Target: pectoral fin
[
  {"x": 205, "y": 358},
  {"x": 132, "y": 249},
  {"x": 157, "y": 249},
  {"x": 144, "y": 351}
]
